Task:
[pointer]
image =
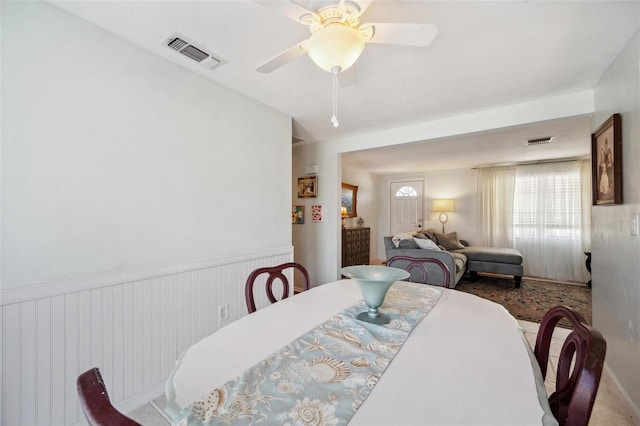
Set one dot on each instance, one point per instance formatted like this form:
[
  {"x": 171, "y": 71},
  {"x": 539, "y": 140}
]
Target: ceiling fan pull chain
[{"x": 334, "y": 118}]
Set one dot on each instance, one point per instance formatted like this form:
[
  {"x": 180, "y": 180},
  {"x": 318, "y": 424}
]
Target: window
[
  {"x": 543, "y": 211},
  {"x": 547, "y": 205},
  {"x": 406, "y": 191}
]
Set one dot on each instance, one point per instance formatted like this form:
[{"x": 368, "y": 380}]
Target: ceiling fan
[{"x": 338, "y": 38}]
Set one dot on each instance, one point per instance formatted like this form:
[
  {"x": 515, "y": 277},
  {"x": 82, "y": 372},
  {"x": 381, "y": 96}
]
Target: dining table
[{"x": 466, "y": 362}]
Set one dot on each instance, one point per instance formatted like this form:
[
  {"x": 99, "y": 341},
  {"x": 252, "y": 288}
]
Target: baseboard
[
  {"x": 634, "y": 410},
  {"x": 137, "y": 401},
  {"x": 526, "y": 277}
]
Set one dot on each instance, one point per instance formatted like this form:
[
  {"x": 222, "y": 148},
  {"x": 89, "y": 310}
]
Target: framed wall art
[
  {"x": 350, "y": 199},
  {"x": 297, "y": 215},
  {"x": 308, "y": 187},
  {"x": 606, "y": 162},
  {"x": 317, "y": 214}
]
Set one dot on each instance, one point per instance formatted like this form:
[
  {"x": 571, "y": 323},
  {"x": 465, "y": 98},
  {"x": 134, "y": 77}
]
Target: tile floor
[{"x": 609, "y": 408}]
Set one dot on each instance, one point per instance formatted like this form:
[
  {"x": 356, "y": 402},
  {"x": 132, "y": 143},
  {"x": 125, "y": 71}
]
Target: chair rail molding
[{"x": 49, "y": 289}]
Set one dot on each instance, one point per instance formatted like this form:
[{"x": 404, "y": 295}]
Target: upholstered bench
[{"x": 491, "y": 259}]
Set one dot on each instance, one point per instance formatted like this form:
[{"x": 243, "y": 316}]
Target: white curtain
[
  {"x": 549, "y": 220},
  {"x": 495, "y": 188},
  {"x": 587, "y": 201}
]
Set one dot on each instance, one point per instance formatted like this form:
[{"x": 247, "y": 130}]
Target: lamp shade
[
  {"x": 444, "y": 205},
  {"x": 336, "y": 45},
  {"x": 343, "y": 212}
]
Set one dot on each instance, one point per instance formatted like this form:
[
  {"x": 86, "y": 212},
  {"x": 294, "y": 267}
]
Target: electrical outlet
[
  {"x": 635, "y": 224},
  {"x": 223, "y": 312}
]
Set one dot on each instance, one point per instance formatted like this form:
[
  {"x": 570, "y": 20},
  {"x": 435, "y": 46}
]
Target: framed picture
[
  {"x": 297, "y": 215},
  {"x": 308, "y": 187},
  {"x": 606, "y": 162},
  {"x": 317, "y": 214},
  {"x": 350, "y": 199}
]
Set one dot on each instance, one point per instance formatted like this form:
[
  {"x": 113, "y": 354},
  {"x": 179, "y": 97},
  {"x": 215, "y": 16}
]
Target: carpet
[{"x": 534, "y": 297}]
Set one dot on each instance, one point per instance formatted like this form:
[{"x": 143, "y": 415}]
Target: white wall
[
  {"x": 136, "y": 199},
  {"x": 114, "y": 159},
  {"x": 367, "y": 202},
  {"x": 459, "y": 184},
  {"x": 615, "y": 253},
  {"x": 315, "y": 242}
]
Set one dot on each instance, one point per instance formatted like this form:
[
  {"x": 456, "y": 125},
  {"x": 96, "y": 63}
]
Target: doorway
[{"x": 406, "y": 204}]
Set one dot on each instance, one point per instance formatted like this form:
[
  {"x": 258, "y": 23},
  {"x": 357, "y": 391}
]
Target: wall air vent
[
  {"x": 539, "y": 141},
  {"x": 184, "y": 46}
]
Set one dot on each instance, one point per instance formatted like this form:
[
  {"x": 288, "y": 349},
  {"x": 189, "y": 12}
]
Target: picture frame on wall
[
  {"x": 308, "y": 187},
  {"x": 297, "y": 215},
  {"x": 606, "y": 162},
  {"x": 317, "y": 213}
]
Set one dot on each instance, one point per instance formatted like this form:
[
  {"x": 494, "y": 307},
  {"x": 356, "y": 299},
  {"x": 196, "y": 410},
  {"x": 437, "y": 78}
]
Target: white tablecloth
[{"x": 466, "y": 363}]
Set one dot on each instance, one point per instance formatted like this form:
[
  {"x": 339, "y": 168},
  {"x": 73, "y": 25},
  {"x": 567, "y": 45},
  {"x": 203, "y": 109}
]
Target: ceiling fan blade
[
  {"x": 419, "y": 35},
  {"x": 348, "y": 77},
  {"x": 342, "y": 9},
  {"x": 288, "y": 9},
  {"x": 282, "y": 58},
  {"x": 363, "y": 5}
]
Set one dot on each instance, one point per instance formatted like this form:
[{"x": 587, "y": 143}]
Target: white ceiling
[
  {"x": 486, "y": 55},
  {"x": 570, "y": 139}
]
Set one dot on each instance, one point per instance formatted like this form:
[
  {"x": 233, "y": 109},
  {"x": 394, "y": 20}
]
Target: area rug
[{"x": 534, "y": 297}]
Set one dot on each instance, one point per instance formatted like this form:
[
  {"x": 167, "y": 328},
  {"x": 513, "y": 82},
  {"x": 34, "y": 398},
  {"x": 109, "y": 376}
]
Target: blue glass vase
[{"x": 374, "y": 282}]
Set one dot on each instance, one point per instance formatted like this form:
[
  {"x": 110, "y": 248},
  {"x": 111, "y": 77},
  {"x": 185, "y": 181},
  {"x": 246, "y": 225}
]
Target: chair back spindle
[
  {"x": 579, "y": 365},
  {"x": 410, "y": 264},
  {"x": 274, "y": 273}
]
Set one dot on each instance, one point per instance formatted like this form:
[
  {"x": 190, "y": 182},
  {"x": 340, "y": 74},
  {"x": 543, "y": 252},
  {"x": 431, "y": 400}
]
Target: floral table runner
[{"x": 322, "y": 377}]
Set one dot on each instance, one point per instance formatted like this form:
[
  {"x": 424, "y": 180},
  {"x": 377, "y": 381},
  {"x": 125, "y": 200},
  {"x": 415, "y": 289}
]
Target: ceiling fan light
[{"x": 336, "y": 45}]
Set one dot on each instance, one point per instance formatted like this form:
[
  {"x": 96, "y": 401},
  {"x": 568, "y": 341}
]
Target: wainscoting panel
[{"x": 133, "y": 330}]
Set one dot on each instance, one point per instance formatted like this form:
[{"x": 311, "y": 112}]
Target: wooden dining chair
[
  {"x": 579, "y": 365},
  {"x": 96, "y": 403},
  {"x": 274, "y": 272},
  {"x": 411, "y": 264}
]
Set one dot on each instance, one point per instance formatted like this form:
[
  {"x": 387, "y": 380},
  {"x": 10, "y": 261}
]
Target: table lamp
[
  {"x": 443, "y": 206},
  {"x": 344, "y": 214}
]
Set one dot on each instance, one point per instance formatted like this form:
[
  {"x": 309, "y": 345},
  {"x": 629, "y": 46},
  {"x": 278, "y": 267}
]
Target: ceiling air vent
[
  {"x": 184, "y": 46},
  {"x": 539, "y": 141}
]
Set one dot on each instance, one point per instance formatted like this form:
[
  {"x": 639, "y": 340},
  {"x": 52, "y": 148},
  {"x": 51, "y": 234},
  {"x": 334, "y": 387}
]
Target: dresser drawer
[{"x": 355, "y": 246}]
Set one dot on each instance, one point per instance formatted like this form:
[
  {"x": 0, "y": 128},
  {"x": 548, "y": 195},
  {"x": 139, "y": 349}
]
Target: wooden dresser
[{"x": 355, "y": 246}]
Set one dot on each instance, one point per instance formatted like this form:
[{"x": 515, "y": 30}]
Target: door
[{"x": 406, "y": 206}]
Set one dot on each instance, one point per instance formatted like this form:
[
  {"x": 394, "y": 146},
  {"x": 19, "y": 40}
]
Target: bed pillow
[
  {"x": 449, "y": 241},
  {"x": 426, "y": 244}
]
